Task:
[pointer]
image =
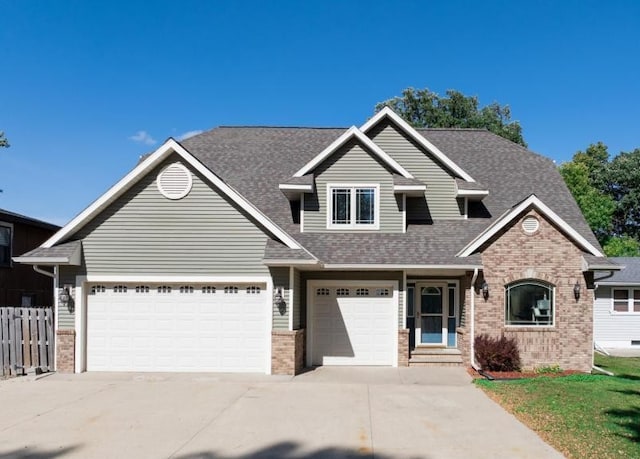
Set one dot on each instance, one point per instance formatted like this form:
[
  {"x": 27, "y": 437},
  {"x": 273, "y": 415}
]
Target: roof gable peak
[
  {"x": 388, "y": 113},
  {"x": 352, "y": 133}
]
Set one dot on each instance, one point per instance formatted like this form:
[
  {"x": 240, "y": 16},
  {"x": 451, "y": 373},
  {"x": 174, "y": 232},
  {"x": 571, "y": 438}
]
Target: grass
[{"x": 581, "y": 415}]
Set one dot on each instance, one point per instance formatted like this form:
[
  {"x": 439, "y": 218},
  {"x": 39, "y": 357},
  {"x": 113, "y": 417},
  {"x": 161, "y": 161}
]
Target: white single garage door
[
  {"x": 139, "y": 327},
  {"x": 353, "y": 325}
]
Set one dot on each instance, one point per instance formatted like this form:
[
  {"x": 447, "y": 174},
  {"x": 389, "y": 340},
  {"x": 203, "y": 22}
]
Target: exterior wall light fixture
[
  {"x": 576, "y": 291},
  {"x": 485, "y": 290}
]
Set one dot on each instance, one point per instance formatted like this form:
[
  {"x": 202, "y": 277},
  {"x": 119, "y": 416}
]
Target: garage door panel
[
  {"x": 130, "y": 331},
  {"x": 353, "y": 329}
]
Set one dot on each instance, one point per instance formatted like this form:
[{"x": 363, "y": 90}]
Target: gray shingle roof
[
  {"x": 630, "y": 274},
  {"x": 65, "y": 250},
  {"x": 255, "y": 160},
  {"x": 12, "y": 217},
  {"x": 400, "y": 180},
  {"x": 464, "y": 185}
]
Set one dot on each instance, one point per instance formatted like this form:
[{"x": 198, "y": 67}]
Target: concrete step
[
  {"x": 435, "y": 364},
  {"x": 429, "y": 356}
]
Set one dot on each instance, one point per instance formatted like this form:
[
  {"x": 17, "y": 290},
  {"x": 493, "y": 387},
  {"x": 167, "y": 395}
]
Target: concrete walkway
[{"x": 325, "y": 413}]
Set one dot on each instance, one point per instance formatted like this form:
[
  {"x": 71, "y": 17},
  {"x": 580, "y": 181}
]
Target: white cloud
[
  {"x": 188, "y": 134},
  {"x": 143, "y": 137}
]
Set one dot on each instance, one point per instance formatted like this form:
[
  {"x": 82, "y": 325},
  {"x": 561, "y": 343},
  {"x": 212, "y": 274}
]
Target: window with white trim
[
  {"x": 353, "y": 206},
  {"x": 253, "y": 289},
  {"x": 142, "y": 289},
  {"x": 231, "y": 289},
  {"x": 529, "y": 303},
  {"x": 342, "y": 292},
  {"x": 119, "y": 289},
  {"x": 362, "y": 292},
  {"x": 5, "y": 246},
  {"x": 626, "y": 300},
  {"x": 208, "y": 289},
  {"x": 186, "y": 289},
  {"x": 322, "y": 292},
  {"x": 98, "y": 289},
  {"x": 164, "y": 289}
]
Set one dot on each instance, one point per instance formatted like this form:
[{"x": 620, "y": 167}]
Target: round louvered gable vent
[
  {"x": 174, "y": 181},
  {"x": 530, "y": 225}
]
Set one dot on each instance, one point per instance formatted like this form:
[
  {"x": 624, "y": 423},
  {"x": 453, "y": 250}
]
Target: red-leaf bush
[{"x": 497, "y": 354}]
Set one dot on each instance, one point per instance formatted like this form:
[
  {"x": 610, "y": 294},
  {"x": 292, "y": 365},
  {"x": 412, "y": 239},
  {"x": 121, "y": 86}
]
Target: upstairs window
[
  {"x": 5, "y": 246},
  {"x": 353, "y": 206}
]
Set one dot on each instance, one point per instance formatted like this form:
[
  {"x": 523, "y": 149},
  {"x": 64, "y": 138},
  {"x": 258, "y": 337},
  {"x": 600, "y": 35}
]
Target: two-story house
[{"x": 257, "y": 249}]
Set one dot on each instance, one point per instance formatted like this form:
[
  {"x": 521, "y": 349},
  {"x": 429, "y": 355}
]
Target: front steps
[{"x": 435, "y": 356}]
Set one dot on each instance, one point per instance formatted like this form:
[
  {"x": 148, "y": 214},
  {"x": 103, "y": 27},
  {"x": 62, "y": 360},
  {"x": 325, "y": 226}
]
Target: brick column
[
  {"x": 403, "y": 347},
  {"x": 287, "y": 352},
  {"x": 65, "y": 351}
]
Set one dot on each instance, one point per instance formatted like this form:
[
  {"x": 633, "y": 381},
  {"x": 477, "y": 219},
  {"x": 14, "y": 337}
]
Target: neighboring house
[
  {"x": 271, "y": 249},
  {"x": 20, "y": 285},
  {"x": 616, "y": 315}
]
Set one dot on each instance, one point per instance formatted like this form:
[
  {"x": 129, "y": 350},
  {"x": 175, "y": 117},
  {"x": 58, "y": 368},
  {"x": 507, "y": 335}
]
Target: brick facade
[
  {"x": 287, "y": 352},
  {"x": 65, "y": 351},
  {"x": 403, "y": 347},
  {"x": 546, "y": 255}
]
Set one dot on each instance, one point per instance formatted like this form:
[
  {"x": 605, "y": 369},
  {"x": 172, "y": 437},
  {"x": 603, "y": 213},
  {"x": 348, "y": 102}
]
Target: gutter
[{"x": 39, "y": 270}]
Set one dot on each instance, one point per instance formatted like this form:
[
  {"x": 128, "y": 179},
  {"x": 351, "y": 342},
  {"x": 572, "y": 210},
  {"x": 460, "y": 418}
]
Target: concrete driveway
[{"x": 326, "y": 413}]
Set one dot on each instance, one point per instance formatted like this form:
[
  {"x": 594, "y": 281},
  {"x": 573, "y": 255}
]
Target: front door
[{"x": 433, "y": 300}]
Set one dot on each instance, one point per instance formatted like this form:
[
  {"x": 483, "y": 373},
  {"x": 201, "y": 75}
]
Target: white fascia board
[
  {"x": 471, "y": 193},
  {"x": 509, "y": 216},
  {"x": 397, "y": 266},
  {"x": 415, "y": 135},
  {"x": 617, "y": 284},
  {"x": 292, "y": 187},
  {"x": 402, "y": 188},
  {"x": 170, "y": 146},
  {"x": 173, "y": 278},
  {"x": 42, "y": 260},
  {"x": 352, "y": 132},
  {"x": 285, "y": 262}
]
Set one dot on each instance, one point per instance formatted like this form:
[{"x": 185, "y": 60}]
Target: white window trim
[
  {"x": 630, "y": 302},
  {"x": 532, "y": 325},
  {"x": 353, "y": 225}
]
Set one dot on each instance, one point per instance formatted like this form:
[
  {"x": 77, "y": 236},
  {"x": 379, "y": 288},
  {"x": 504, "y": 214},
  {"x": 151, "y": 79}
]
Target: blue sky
[{"x": 88, "y": 87}]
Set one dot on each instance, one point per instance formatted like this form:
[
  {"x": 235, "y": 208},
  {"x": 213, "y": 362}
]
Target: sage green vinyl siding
[
  {"x": 295, "y": 305},
  {"x": 281, "y": 279},
  {"x": 352, "y": 164},
  {"x": 66, "y": 315},
  {"x": 339, "y": 276},
  {"x": 143, "y": 232},
  {"x": 441, "y": 187}
]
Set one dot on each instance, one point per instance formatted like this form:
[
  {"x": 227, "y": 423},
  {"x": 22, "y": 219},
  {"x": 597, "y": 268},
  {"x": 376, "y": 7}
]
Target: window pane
[
  {"x": 410, "y": 301},
  {"x": 636, "y": 301},
  {"x": 341, "y": 206},
  {"x": 529, "y": 304},
  {"x": 621, "y": 300},
  {"x": 452, "y": 302},
  {"x": 365, "y": 205},
  {"x": 5, "y": 246}
]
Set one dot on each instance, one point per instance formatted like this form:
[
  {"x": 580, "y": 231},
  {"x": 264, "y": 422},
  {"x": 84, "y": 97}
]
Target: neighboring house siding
[
  {"x": 339, "y": 276},
  {"x": 295, "y": 304},
  {"x": 281, "y": 279},
  {"x": 609, "y": 329},
  {"x": 142, "y": 232},
  {"x": 350, "y": 165},
  {"x": 441, "y": 188}
]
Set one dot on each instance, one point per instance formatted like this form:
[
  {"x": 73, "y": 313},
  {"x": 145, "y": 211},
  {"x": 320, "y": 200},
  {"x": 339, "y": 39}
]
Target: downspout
[
  {"x": 39, "y": 270},
  {"x": 474, "y": 365}
]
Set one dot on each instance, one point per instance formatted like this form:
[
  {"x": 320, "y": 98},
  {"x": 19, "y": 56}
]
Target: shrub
[{"x": 497, "y": 354}]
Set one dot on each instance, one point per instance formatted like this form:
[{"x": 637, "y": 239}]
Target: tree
[
  {"x": 608, "y": 193},
  {"x": 3, "y": 140},
  {"x": 424, "y": 108}
]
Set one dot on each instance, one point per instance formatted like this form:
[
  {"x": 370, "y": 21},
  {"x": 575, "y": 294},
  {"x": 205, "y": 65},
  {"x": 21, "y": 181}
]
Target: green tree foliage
[
  {"x": 623, "y": 182},
  {"x": 424, "y": 108},
  {"x": 608, "y": 193},
  {"x": 3, "y": 140}
]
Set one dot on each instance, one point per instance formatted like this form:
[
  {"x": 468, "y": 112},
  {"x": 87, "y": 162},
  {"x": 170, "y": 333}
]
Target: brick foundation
[
  {"x": 65, "y": 351},
  {"x": 287, "y": 352},
  {"x": 403, "y": 347}
]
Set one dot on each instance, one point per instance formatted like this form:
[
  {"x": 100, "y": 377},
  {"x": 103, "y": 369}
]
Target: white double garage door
[
  {"x": 227, "y": 327},
  {"x": 215, "y": 327}
]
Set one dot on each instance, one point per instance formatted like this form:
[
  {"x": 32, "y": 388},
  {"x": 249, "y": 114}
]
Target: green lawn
[{"x": 582, "y": 416}]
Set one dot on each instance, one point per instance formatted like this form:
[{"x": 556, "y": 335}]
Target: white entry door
[
  {"x": 354, "y": 324},
  {"x": 138, "y": 327},
  {"x": 433, "y": 307}
]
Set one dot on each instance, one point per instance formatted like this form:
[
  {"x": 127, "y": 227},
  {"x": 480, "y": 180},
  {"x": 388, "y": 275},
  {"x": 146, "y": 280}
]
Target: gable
[
  {"x": 352, "y": 164},
  {"x": 441, "y": 189},
  {"x": 142, "y": 231}
]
